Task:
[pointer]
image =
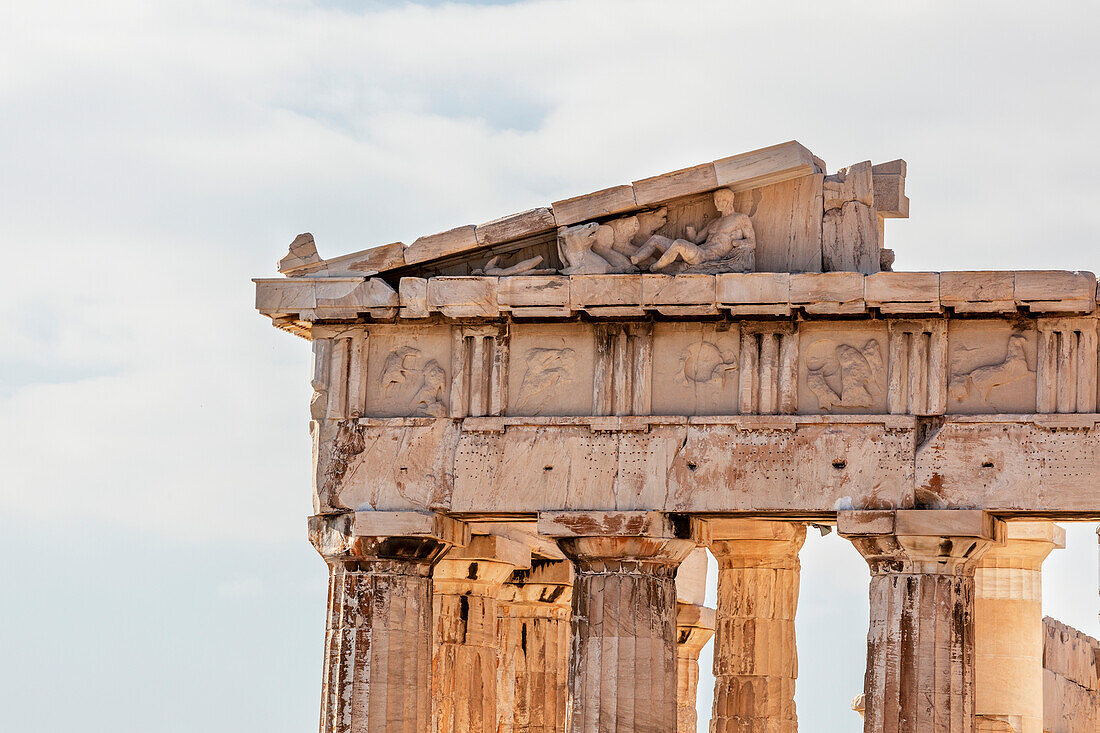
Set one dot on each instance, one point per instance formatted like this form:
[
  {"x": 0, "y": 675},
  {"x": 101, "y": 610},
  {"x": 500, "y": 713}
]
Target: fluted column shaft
[
  {"x": 755, "y": 656},
  {"x": 464, "y": 670},
  {"x": 378, "y": 637},
  {"x": 623, "y": 666},
  {"x": 533, "y": 687},
  {"x": 920, "y": 644},
  {"x": 1008, "y": 626},
  {"x": 694, "y": 628}
]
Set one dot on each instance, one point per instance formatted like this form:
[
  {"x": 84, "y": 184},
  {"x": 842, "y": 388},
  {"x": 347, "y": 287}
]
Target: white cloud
[{"x": 158, "y": 155}]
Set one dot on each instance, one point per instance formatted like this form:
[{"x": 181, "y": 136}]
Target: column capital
[
  {"x": 928, "y": 541},
  {"x": 486, "y": 560},
  {"x": 749, "y": 542},
  {"x": 417, "y": 538},
  {"x": 544, "y": 583},
  {"x": 612, "y": 524},
  {"x": 694, "y": 628},
  {"x": 619, "y": 541},
  {"x": 1027, "y": 542}
]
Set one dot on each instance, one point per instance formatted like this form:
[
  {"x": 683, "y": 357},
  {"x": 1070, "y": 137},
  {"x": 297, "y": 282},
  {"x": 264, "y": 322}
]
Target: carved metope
[
  {"x": 918, "y": 368},
  {"x": 622, "y": 371},
  {"x": 1066, "y": 369},
  {"x": 378, "y": 637},
  {"x": 479, "y": 364},
  {"x": 768, "y": 378}
]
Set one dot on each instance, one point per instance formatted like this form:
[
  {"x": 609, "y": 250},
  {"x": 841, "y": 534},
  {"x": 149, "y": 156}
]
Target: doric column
[
  {"x": 694, "y": 628},
  {"x": 533, "y": 689},
  {"x": 755, "y": 657},
  {"x": 1008, "y": 626},
  {"x": 378, "y": 639},
  {"x": 464, "y": 670},
  {"x": 623, "y": 665},
  {"x": 920, "y": 645}
]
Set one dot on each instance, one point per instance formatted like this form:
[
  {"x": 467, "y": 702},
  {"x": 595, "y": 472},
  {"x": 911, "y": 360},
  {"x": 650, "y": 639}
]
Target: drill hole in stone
[
  {"x": 692, "y": 465},
  {"x": 840, "y": 464},
  {"x": 987, "y": 464}
]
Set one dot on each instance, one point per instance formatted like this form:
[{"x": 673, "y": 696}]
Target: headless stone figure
[{"x": 717, "y": 240}]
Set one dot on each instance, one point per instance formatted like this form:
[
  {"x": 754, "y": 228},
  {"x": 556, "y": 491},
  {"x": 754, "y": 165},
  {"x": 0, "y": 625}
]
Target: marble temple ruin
[{"x": 528, "y": 433}]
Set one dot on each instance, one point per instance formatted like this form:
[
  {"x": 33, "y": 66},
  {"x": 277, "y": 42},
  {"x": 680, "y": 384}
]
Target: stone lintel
[
  {"x": 706, "y": 530},
  {"x": 294, "y": 303},
  {"x": 610, "y": 524},
  {"x": 974, "y": 523}
]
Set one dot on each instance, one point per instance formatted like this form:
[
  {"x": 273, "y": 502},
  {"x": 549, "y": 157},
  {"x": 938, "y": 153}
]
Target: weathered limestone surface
[
  {"x": 1008, "y": 626},
  {"x": 756, "y": 660},
  {"x": 1071, "y": 690},
  {"x": 535, "y": 608},
  {"x": 378, "y": 637},
  {"x": 920, "y": 646},
  {"x": 623, "y": 666},
  {"x": 722, "y": 347},
  {"x": 464, "y": 670},
  {"x": 694, "y": 628}
]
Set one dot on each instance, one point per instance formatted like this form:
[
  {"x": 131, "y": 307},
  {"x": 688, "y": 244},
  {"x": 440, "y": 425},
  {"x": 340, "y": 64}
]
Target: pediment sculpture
[{"x": 769, "y": 210}]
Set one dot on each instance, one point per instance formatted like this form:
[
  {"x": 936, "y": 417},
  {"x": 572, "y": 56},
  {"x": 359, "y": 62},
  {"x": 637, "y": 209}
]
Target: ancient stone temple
[{"x": 528, "y": 433}]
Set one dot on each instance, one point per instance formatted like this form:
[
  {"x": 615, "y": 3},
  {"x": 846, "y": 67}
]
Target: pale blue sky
[{"x": 154, "y": 481}]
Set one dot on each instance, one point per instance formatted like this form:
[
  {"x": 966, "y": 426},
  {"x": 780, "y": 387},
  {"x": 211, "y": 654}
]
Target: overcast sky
[{"x": 154, "y": 480}]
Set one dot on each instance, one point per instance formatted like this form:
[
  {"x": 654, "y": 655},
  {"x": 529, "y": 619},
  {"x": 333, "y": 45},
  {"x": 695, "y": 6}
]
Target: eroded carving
[
  {"x": 407, "y": 379},
  {"x": 843, "y": 376},
  {"x": 706, "y": 363},
  {"x": 578, "y": 245},
  {"x": 981, "y": 381},
  {"x": 619, "y": 240},
  {"x": 529, "y": 266},
  {"x": 347, "y": 443},
  {"x": 544, "y": 369},
  {"x": 725, "y": 244}
]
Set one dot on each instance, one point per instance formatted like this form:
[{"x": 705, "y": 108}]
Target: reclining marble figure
[{"x": 729, "y": 237}]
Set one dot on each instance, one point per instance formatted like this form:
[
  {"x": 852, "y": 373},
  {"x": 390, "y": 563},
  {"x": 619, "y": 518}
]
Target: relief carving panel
[
  {"x": 842, "y": 369},
  {"x": 408, "y": 371},
  {"x": 551, "y": 370},
  {"x": 695, "y": 235},
  {"x": 991, "y": 367},
  {"x": 695, "y": 368}
]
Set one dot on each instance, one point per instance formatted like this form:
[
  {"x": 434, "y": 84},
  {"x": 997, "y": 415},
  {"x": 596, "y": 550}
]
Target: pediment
[{"x": 782, "y": 213}]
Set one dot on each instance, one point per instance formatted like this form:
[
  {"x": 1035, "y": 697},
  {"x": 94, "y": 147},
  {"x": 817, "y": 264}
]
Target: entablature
[
  {"x": 809, "y": 467},
  {"x": 299, "y": 303},
  {"x": 724, "y": 338}
]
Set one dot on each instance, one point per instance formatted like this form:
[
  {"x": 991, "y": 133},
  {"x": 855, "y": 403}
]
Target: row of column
[{"x": 432, "y": 629}]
